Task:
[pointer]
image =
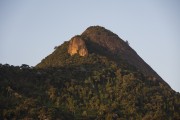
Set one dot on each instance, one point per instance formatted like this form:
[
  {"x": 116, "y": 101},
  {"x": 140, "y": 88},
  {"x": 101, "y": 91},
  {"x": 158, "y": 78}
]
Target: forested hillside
[{"x": 105, "y": 84}]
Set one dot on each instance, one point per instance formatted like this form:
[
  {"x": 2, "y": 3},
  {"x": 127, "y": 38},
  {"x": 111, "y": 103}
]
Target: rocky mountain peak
[
  {"x": 105, "y": 38},
  {"x": 109, "y": 42},
  {"x": 98, "y": 30},
  {"x": 100, "y": 41}
]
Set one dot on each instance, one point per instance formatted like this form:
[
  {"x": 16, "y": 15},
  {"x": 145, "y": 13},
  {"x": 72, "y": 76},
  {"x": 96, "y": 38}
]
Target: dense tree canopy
[{"x": 95, "y": 89}]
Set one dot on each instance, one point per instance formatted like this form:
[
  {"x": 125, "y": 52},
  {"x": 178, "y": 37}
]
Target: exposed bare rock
[
  {"x": 116, "y": 46},
  {"x": 77, "y": 46}
]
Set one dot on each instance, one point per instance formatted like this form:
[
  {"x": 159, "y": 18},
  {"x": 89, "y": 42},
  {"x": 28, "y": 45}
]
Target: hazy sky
[{"x": 29, "y": 29}]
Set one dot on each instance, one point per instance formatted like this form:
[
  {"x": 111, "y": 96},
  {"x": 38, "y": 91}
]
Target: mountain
[
  {"x": 98, "y": 40},
  {"x": 95, "y": 75}
]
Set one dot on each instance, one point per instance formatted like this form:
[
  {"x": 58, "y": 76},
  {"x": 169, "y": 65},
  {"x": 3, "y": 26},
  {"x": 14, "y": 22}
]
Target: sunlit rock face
[{"x": 77, "y": 46}]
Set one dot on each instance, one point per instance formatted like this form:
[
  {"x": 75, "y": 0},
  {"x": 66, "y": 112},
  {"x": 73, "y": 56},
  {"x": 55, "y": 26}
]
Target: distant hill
[{"x": 95, "y": 75}]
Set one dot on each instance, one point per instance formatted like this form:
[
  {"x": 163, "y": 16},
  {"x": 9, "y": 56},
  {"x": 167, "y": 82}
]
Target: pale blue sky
[{"x": 29, "y": 29}]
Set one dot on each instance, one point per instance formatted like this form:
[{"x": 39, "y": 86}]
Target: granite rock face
[
  {"x": 118, "y": 47},
  {"x": 77, "y": 46}
]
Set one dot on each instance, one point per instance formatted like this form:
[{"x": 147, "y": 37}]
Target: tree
[
  {"x": 127, "y": 42},
  {"x": 24, "y": 66}
]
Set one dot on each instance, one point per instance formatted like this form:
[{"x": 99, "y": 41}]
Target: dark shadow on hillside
[{"x": 102, "y": 51}]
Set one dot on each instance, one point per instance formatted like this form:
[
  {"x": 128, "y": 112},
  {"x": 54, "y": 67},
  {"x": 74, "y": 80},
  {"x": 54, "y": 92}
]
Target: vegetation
[
  {"x": 95, "y": 89},
  {"x": 101, "y": 86}
]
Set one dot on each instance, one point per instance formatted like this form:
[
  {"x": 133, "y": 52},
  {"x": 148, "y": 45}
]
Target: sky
[{"x": 30, "y": 29}]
